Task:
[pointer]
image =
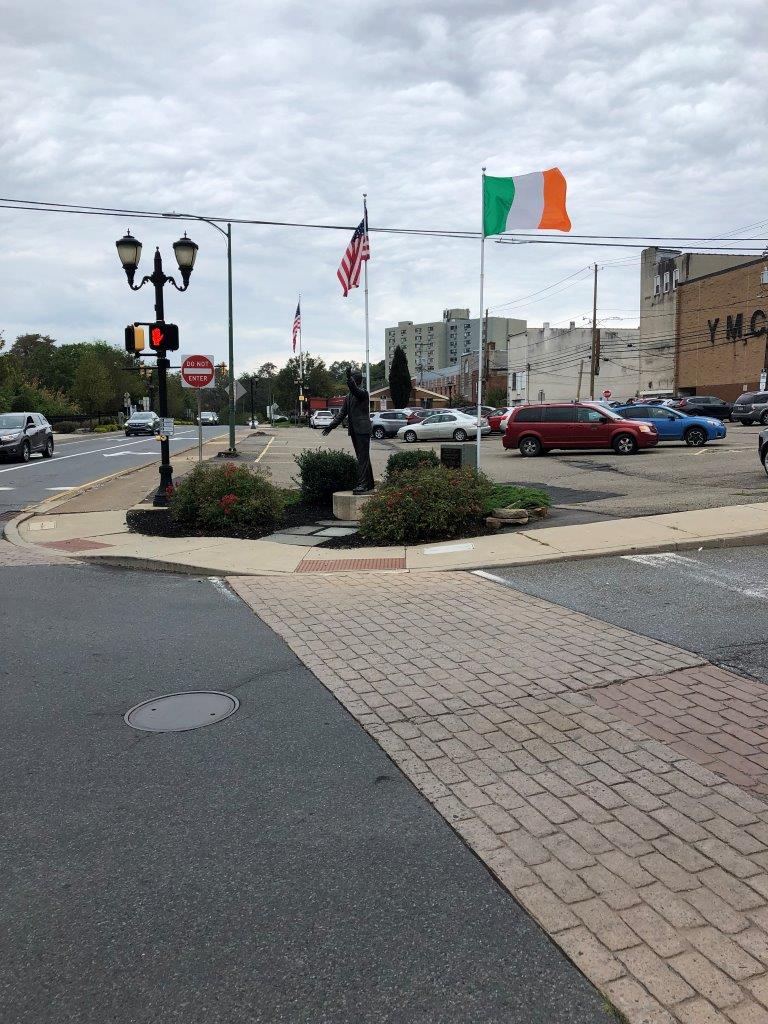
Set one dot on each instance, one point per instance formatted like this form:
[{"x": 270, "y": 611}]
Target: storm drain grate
[{"x": 180, "y": 712}]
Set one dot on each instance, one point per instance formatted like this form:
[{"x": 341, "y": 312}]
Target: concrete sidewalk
[{"x": 91, "y": 527}]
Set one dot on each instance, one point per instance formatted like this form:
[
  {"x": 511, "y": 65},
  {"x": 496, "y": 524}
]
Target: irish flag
[{"x": 526, "y": 201}]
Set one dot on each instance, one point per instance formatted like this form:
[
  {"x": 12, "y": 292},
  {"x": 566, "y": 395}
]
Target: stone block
[{"x": 349, "y": 506}]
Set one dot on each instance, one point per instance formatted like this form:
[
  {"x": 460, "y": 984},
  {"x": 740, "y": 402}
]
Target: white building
[{"x": 552, "y": 364}]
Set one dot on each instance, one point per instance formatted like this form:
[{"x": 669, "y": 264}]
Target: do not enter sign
[
  {"x": 607, "y": 393},
  {"x": 197, "y": 372}
]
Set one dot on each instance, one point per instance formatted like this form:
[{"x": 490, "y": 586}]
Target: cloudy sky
[{"x": 290, "y": 109}]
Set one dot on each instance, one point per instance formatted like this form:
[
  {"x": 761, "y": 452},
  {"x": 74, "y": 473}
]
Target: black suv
[
  {"x": 704, "y": 405},
  {"x": 22, "y": 433},
  {"x": 751, "y": 407}
]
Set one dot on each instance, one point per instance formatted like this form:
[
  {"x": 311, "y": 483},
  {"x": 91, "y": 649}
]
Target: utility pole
[
  {"x": 578, "y": 386},
  {"x": 253, "y": 414},
  {"x": 594, "y": 360}
]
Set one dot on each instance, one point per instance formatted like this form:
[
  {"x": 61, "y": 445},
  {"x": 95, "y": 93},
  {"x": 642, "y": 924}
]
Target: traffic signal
[
  {"x": 164, "y": 337},
  {"x": 134, "y": 340}
]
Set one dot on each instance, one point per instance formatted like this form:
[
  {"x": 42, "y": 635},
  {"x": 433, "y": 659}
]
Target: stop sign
[
  {"x": 607, "y": 393},
  {"x": 197, "y": 372}
]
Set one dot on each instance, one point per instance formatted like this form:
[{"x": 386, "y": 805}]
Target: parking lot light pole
[
  {"x": 232, "y": 451},
  {"x": 185, "y": 250}
]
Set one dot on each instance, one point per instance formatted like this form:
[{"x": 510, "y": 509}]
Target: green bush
[
  {"x": 216, "y": 497},
  {"x": 323, "y": 472},
  {"x": 432, "y": 503},
  {"x": 511, "y": 496},
  {"x": 411, "y": 458},
  {"x": 67, "y": 427},
  {"x": 105, "y": 428}
]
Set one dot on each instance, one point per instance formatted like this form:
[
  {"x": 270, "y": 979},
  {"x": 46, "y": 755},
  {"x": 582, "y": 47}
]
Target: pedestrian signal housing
[
  {"x": 134, "y": 340},
  {"x": 164, "y": 337}
]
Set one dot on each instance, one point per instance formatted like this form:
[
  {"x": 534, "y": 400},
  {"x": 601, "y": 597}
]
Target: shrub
[
  {"x": 67, "y": 427},
  {"x": 511, "y": 496},
  {"x": 432, "y": 503},
  {"x": 215, "y": 497},
  {"x": 410, "y": 459},
  {"x": 105, "y": 428},
  {"x": 323, "y": 472}
]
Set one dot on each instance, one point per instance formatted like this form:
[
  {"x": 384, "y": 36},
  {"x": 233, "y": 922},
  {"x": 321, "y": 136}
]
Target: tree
[
  {"x": 318, "y": 382},
  {"x": 378, "y": 375},
  {"x": 399, "y": 379},
  {"x": 267, "y": 371},
  {"x": 496, "y": 396},
  {"x": 92, "y": 389},
  {"x": 34, "y": 353}
]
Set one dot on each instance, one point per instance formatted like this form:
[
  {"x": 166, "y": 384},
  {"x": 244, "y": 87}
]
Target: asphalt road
[
  {"x": 83, "y": 459},
  {"x": 274, "y": 867},
  {"x": 714, "y": 602}
]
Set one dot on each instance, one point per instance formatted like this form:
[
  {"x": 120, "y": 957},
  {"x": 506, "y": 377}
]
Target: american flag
[
  {"x": 296, "y": 324},
  {"x": 352, "y": 260}
]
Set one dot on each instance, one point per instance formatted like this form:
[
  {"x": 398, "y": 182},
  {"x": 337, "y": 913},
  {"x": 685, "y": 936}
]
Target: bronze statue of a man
[{"x": 356, "y": 411}]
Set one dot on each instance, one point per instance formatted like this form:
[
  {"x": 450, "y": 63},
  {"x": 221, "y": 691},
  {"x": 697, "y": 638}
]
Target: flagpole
[
  {"x": 301, "y": 365},
  {"x": 480, "y": 319},
  {"x": 365, "y": 271}
]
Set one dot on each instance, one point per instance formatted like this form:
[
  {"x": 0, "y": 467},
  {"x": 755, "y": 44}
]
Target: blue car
[{"x": 672, "y": 425}]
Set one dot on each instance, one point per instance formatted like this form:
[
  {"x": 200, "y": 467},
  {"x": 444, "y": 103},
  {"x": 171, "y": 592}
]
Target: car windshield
[
  {"x": 143, "y": 416},
  {"x": 11, "y": 421}
]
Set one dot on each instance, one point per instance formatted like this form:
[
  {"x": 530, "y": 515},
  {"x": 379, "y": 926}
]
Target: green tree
[
  {"x": 378, "y": 375},
  {"x": 496, "y": 396},
  {"x": 92, "y": 388},
  {"x": 318, "y": 382},
  {"x": 399, "y": 379}
]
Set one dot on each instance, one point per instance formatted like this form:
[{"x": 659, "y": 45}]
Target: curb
[{"x": 162, "y": 565}]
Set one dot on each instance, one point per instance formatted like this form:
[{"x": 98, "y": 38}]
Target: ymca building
[{"x": 722, "y": 331}]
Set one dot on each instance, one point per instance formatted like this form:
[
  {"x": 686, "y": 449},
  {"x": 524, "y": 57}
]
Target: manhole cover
[{"x": 178, "y": 712}]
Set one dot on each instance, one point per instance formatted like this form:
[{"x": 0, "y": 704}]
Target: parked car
[
  {"x": 471, "y": 410},
  {"x": 321, "y": 418},
  {"x": 673, "y": 425},
  {"x": 762, "y": 448},
  {"x": 144, "y": 423},
  {"x": 750, "y": 407},
  {"x": 704, "y": 405},
  {"x": 537, "y": 429},
  {"x": 456, "y": 425},
  {"x": 208, "y": 419},
  {"x": 22, "y": 433},
  {"x": 387, "y": 422},
  {"x": 495, "y": 418},
  {"x": 418, "y": 414}
]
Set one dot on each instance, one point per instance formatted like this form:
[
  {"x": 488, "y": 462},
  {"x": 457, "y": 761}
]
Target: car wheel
[
  {"x": 459, "y": 435},
  {"x": 379, "y": 433},
  {"x": 764, "y": 459},
  {"x": 695, "y": 437},
  {"x": 48, "y": 450},
  {"x": 764, "y": 419},
  {"x": 26, "y": 451},
  {"x": 410, "y": 436},
  {"x": 746, "y": 423},
  {"x": 529, "y": 446},
  {"x": 624, "y": 444}
]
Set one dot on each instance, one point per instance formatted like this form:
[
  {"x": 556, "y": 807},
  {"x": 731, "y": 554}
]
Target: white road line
[
  {"x": 61, "y": 488},
  {"x": 690, "y": 568},
  {"x": 7, "y": 488},
  {"x": 490, "y": 576},
  {"x": 93, "y": 451},
  {"x": 222, "y": 588}
]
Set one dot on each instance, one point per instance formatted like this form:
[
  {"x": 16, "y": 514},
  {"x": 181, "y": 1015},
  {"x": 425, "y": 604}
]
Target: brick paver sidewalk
[{"x": 570, "y": 755}]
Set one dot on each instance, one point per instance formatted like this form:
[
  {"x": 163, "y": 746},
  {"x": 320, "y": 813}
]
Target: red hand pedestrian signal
[
  {"x": 156, "y": 337},
  {"x": 164, "y": 337}
]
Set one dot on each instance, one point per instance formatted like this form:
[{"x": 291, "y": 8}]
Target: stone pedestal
[{"x": 349, "y": 506}]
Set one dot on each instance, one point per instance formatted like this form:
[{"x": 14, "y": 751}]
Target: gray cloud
[{"x": 290, "y": 109}]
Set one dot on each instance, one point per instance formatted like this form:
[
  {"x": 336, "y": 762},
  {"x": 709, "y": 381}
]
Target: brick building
[{"x": 721, "y": 332}]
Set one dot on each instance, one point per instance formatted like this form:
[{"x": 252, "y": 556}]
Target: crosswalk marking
[{"x": 689, "y": 567}]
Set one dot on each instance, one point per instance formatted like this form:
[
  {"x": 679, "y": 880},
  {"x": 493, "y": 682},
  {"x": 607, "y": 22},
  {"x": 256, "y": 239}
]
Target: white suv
[{"x": 321, "y": 418}]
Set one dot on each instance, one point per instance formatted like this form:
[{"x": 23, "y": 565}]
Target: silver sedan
[{"x": 454, "y": 425}]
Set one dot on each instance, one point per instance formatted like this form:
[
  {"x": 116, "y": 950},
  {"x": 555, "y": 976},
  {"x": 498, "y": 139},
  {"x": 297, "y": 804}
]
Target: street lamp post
[
  {"x": 185, "y": 250},
  {"x": 232, "y": 452}
]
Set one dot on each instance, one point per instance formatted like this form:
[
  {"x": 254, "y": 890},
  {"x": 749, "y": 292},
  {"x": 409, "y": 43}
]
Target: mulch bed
[{"x": 158, "y": 523}]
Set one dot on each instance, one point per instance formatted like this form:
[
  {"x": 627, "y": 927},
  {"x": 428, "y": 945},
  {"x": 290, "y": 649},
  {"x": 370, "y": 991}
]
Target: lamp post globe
[
  {"x": 129, "y": 251},
  {"x": 185, "y": 251}
]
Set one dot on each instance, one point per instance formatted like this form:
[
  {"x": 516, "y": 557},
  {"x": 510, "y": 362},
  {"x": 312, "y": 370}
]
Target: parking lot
[{"x": 587, "y": 484}]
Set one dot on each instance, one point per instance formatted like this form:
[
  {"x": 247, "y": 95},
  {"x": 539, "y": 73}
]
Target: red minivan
[{"x": 537, "y": 429}]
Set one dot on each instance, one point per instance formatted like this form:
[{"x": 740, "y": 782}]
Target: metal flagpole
[
  {"x": 365, "y": 271},
  {"x": 301, "y": 366},
  {"x": 480, "y": 319}
]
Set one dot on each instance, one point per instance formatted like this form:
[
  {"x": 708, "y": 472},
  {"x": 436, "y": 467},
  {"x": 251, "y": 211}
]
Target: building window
[
  {"x": 675, "y": 278},
  {"x": 657, "y": 285},
  {"x": 666, "y": 281}
]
